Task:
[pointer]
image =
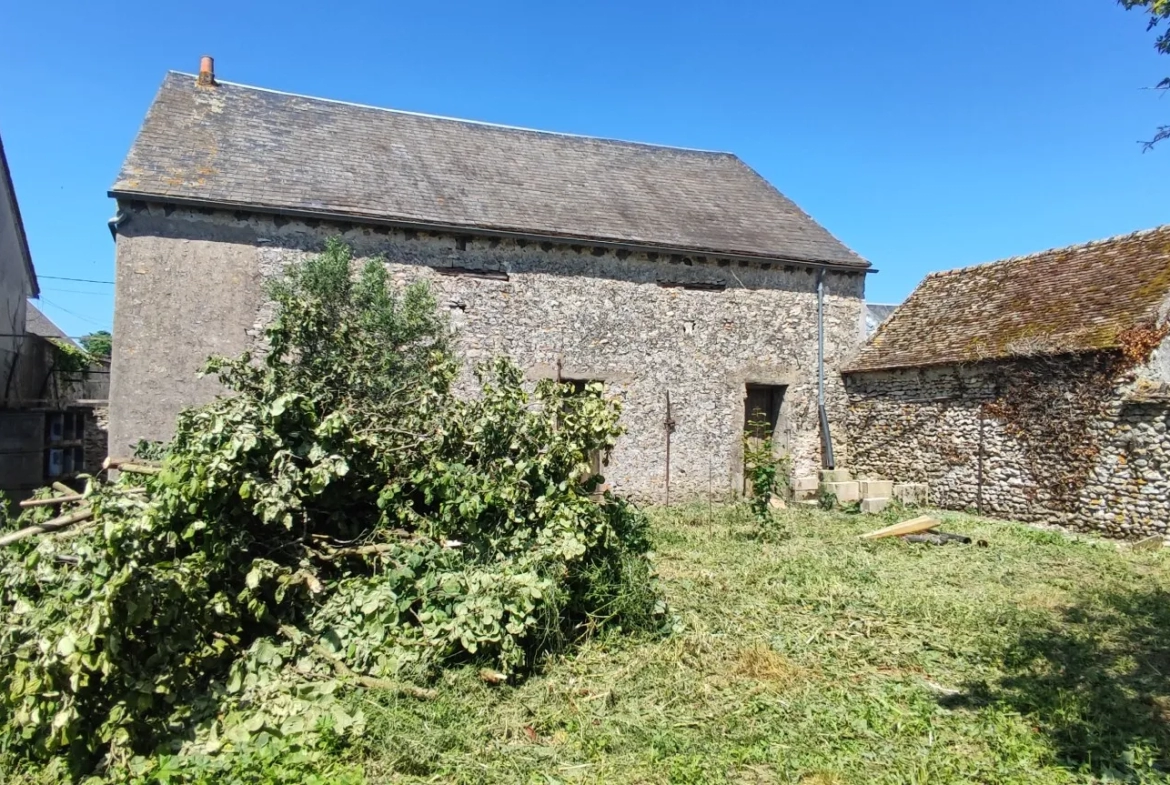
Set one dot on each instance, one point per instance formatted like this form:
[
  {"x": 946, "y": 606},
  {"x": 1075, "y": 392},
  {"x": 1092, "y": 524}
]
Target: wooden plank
[
  {"x": 913, "y": 526},
  {"x": 1149, "y": 543}
]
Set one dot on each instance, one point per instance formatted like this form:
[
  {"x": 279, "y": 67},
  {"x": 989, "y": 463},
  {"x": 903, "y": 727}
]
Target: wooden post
[{"x": 669, "y": 430}]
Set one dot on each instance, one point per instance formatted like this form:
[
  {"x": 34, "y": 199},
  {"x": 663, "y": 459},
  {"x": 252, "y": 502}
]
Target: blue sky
[{"x": 926, "y": 135}]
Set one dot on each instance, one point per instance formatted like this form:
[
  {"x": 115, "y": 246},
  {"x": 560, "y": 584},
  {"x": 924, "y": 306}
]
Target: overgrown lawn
[{"x": 813, "y": 657}]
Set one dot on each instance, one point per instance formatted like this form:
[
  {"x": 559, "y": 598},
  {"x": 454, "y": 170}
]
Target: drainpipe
[
  {"x": 826, "y": 437},
  {"x": 116, "y": 222}
]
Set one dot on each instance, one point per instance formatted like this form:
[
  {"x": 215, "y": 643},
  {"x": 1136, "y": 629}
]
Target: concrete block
[
  {"x": 912, "y": 493},
  {"x": 835, "y": 475},
  {"x": 877, "y": 489},
  {"x": 874, "y": 505},
  {"x": 804, "y": 488},
  {"x": 844, "y": 491},
  {"x": 805, "y": 484}
]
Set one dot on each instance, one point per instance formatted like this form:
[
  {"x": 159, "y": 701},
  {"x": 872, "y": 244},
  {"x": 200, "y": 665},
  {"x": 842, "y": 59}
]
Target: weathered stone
[
  {"x": 877, "y": 489},
  {"x": 912, "y": 494},
  {"x": 844, "y": 491},
  {"x": 805, "y": 484},
  {"x": 805, "y": 488},
  {"x": 874, "y": 505},
  {"x": 835, "y": 475}
]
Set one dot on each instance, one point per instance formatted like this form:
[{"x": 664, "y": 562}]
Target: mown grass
[{"x": 812, "y": 657}]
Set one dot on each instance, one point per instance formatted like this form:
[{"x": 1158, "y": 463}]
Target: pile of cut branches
[{"x": 340, "y": 519}]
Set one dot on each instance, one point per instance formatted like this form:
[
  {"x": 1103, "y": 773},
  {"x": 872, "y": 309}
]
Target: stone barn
[
  {"x": 1036, "y": 388},
  {"x": 666, "y": 274}
]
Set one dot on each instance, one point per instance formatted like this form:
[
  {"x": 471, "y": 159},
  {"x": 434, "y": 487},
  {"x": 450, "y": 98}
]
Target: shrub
[
  {"x": 340, "y": 519},
  {"x": 767, "y": 473}
]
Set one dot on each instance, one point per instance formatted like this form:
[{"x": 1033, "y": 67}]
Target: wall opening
[
  {"x": 578, "y": 388},
  {"x": 763, "y": 418},
  {"x": 761, "y": 411}
]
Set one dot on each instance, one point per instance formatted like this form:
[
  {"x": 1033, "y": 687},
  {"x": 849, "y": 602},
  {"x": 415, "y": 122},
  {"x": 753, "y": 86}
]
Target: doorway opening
[
  {"x": 762, "y": 420},
  {"x": 595, "y": 458}
]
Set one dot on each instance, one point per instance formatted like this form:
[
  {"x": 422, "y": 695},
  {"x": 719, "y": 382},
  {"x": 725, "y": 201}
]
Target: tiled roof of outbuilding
[
  {"x": 1065, "y": 300},
  {"x": 251, "y": 148}
]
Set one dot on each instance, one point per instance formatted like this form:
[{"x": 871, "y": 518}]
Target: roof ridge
[
  {"x": 1075, "y": 247},
  {"x": 484, "y": 123}
]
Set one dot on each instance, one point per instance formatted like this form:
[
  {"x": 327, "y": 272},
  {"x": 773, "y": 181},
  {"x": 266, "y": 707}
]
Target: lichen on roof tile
[
  {"x": 1074, "y": 299},
  {"x": 248, "y": 147}
]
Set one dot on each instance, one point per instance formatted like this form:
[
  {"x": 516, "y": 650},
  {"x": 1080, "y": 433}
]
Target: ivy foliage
[
  {"x": 98, "y": 344},
  {"x": 342, "y": 519}
]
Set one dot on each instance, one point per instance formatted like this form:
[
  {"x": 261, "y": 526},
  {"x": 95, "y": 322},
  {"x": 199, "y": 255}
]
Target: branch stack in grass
[{"x": 340, "y": 521}]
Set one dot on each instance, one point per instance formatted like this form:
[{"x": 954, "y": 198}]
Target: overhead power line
[
  {"x": 79, "y": 291},
  {"x": 47, "y": 301},
  {"x": 76, "y": 280}
]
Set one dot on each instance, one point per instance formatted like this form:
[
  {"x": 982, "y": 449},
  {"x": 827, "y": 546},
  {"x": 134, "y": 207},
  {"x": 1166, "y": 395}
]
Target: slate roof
[
  {"x": 234, "y": 145},
  {"x": 875, "y": 314},
  {"x": 36, "y": 323},
  {"x": 1061, "y": 301}
]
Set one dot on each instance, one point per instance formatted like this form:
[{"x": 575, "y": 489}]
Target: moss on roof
[{"x": 1074, "y": 299}]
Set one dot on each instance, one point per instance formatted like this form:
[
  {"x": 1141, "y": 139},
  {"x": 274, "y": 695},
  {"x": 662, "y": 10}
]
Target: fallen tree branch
[
  {"x": 74, "y": 531},
  {"x": 55, "y": 500},
  {"x": 347, "y": 672},
  {"x": 131, "y": 465},
  {"x": 138, "y": 468},
  {"x": 55, "y": 524},
  {"x": 938, "y": 538},
  {"x": 364, "y": 550},
  {"x": 61, "y": 487}
]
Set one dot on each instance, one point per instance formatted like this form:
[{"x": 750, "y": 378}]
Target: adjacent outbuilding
[{"x": 1035, "y": 388}]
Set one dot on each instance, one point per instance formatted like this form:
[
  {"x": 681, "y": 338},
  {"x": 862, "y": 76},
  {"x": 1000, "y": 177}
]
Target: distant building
[
  {"x": 1036, "y": 388},
  {"x": 875, "y": 314},
  {"x": 18, "y": 282},
  {"x": 51, "y": 413},
  {"x": 660, "y": 272}
]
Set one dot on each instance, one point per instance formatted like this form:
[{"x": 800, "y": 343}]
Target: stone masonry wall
[
  {"x": 96, "y": 436},
  {"x": 190, "y": 283},
  {"x": 939, "y": 425}
]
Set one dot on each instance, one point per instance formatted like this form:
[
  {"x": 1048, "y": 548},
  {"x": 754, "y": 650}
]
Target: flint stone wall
[
  {"x": 933, "y": 425},
  {"x": 190, "y": 284}
]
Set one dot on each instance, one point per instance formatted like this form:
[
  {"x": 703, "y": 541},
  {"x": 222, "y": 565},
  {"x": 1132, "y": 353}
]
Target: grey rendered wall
[{"x": 190, "y": 284}]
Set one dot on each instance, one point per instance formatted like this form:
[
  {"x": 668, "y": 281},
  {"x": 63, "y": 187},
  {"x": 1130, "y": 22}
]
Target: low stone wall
[{"x": 1099, "y": 464}]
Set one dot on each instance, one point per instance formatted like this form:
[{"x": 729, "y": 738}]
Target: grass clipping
[{"x": 340, "y": 519}]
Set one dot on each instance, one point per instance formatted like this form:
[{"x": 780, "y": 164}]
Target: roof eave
[
  {"x": 950, "y": 362},
  {"x": 21, "y": 237},
  {"x": 521, "y": 234}
]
